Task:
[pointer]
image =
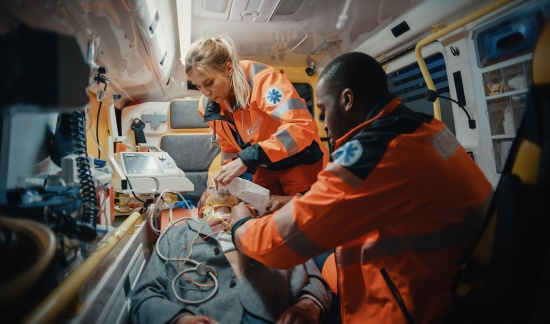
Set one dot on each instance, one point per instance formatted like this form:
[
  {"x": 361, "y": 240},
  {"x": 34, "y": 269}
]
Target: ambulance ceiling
[
  {"x": 141, "y": 42},
  {"x": 288, "y": 32}
]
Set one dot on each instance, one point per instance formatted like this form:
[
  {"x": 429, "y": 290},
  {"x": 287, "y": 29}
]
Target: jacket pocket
[{"x": 397, "y": 296}]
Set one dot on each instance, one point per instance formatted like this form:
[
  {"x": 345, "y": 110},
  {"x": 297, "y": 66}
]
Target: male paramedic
[{"x": 400, "y": 203}]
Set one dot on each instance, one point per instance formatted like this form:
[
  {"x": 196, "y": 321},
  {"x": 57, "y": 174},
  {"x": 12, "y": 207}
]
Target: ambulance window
[
  {"x": 409, "y": 85},
  {"x": 305, "y": 91}
]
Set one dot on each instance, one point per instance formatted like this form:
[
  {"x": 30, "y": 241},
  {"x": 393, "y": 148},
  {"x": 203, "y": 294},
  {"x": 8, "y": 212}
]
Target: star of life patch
[
  {"x": 445, "y": 143},
  {"x": 348, "y": 154},
  {"x": 274, "y": 96}
]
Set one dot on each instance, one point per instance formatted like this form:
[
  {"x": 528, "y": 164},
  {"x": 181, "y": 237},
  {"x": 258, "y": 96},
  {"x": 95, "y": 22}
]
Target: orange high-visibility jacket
[
  {"x": 400, "y": 203},
  {"x": 274, "y": 130}
]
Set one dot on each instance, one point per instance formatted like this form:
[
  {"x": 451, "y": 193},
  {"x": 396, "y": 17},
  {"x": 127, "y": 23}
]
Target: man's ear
[{"x": 346, "y": 100}]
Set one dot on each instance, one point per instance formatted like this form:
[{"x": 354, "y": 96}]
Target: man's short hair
[{"x": 358, "y": 72}]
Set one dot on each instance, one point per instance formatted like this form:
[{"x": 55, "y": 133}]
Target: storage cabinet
[
  {"x": 502, "y": 68},
  {"x": 506, "y": 86}
]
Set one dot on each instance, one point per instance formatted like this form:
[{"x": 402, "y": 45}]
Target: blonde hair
[{"x": 212, "y": 54}]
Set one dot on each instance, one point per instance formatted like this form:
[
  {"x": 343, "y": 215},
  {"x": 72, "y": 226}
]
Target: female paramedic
[{"x": 258, "y": 119}]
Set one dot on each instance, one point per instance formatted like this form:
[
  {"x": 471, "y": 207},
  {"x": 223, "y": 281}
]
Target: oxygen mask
[{"x": 219, "y": 203}]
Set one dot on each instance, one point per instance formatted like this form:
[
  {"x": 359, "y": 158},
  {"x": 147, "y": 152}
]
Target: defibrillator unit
[{"x": 145, "y": 171}]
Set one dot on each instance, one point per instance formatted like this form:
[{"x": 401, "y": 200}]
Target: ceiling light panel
[
  {"x": 215, "y": 9},
  {"x": 218, "y": 6},
  {"x": 252, "y": 10},
  {"x": 261, "y": 39},
  {"x": 290, "y": 10}
]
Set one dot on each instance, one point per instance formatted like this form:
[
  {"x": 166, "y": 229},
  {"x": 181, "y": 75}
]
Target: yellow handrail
[
  {"x": 64, "y": 294},
  {"x": 442, "y": 32}
]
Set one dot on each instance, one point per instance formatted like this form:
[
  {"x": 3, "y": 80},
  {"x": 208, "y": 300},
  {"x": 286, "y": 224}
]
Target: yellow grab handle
[{"x": 442, "y": 32}]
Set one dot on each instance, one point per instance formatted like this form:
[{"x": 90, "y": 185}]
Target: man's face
[
  {"x": 202, "y": 202},
  {"x": 330, "y": 107}
]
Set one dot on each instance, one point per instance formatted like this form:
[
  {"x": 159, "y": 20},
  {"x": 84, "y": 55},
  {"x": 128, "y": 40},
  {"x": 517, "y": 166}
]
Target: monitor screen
[
  {"x": 25, "y": 148},
  {"x": 141, "y": 164}
]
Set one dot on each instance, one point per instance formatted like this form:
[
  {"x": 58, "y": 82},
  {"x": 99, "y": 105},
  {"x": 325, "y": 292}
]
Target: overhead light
[
  {"x": 218, "y": 6},
  {"x": 289, "y": 10},
  {"x": 325, "y": 46},
  {"x": 261, "y": 39},
  {"x": 288, "y": 7},
  {"x": 213, "y": 9}
]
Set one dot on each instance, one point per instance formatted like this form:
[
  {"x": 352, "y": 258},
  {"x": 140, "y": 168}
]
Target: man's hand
[
  {"x": 306, "y": 311},
  {"x": 276, "y": 202},
  {"x": 229, "y": 172},
  {"x": 192, "y": 319},
  {"x": 240, "y": 211}
]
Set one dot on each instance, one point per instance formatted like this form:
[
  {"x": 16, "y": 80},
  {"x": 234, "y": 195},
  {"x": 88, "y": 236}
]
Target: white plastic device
[{"x": 148, "y": 171}]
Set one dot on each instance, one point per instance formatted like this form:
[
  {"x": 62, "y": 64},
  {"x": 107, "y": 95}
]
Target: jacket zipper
[
  {"x": 397, "y": 296},
  {"x": 229, "y": 137},
  {"x": 342, "y": 314}
]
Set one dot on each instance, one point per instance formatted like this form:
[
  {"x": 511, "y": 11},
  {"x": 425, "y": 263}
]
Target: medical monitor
[{"x": 141, "y": 164}]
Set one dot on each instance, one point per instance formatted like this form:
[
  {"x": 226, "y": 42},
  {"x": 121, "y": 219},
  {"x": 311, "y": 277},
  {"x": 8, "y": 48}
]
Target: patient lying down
[{"x": 247, "y": 291}]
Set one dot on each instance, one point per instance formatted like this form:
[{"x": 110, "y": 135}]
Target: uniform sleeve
[
  {"x": 229, "y": 152},
  {"x": 275, "y": 94},
  {"x": 149, "y": 302},
  {"x": 337, "y": 210}
]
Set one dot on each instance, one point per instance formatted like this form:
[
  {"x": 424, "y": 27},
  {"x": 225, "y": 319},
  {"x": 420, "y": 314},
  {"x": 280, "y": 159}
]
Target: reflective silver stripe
[
  {"x": 444, "y": 239},
  {"x": 227, "y": 156},
  {"x": 344, "y": 174},
  {"x": 287, "y": 105},
  {"x": 288, "y": 142},
  {"x": 292, "y": 236},
  {"x": 255, "y": 69},
  {"x": 204, "y": 101}
]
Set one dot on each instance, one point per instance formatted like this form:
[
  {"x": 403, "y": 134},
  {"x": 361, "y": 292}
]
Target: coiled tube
[{"x": 86, "y": 226}]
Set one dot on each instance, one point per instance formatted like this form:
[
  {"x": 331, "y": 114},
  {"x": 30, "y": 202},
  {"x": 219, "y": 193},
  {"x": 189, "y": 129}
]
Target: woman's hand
[
  {"x": 306, "y": 311},
  {"x": 229, "y": 172},
  {"x": 192, "y": 319}
]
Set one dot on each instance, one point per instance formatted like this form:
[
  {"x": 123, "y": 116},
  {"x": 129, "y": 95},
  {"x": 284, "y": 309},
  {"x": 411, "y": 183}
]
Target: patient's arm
[
  {"x": 304, "y": 312},
  {"x": 314, "y": 290}
]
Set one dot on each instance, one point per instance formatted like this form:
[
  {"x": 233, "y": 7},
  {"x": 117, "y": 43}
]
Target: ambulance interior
[{"x": 109, "y": 76}]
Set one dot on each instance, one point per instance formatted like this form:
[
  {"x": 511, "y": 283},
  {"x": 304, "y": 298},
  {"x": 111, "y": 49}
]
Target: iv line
[{"x": 200, "y": 267}]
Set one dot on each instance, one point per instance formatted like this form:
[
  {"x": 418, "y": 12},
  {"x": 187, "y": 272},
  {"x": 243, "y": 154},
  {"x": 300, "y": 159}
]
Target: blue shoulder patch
[
  {"x": 348, "y": 154},
  {"x": 274, "y": 96},
  {"x": 364, "y": 151}
]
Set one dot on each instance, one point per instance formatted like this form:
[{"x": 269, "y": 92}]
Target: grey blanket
[{"x": 263, "y": 292}]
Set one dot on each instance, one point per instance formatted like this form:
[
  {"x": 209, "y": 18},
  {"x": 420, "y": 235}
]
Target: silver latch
[{"x": 214, "y": 141}]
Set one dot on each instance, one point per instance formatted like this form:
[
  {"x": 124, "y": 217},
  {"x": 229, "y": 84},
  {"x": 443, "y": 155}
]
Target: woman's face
[{"x": 215, "y": 86}]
